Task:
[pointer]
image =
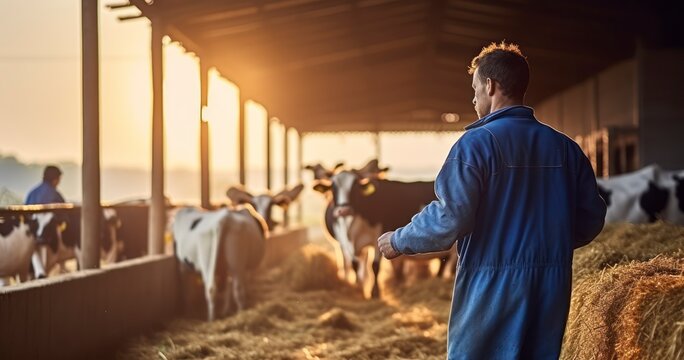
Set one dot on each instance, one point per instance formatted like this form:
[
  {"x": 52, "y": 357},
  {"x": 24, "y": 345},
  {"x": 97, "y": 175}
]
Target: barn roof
[{"x": 389, "y": 65}]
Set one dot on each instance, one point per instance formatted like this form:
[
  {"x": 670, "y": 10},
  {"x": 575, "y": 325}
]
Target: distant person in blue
[
  {"x": 519, "y": 197},
  {"x": 46, "y": 192}
]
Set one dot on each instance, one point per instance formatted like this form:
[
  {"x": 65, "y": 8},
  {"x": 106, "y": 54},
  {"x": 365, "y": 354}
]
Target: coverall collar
[{"x": 513, "y": 111}]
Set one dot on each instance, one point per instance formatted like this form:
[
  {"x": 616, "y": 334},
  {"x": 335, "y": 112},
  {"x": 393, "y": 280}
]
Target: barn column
[
  {"x": 204, "y": 136},
  {"x": 269, "y": 158},
  {"x": 90, "y": 212},
  {"x": 286, "y": 177},
  {"x": 241, "y": 132},
  {"x": 157, "y": 220},
  {"x": 378, "y": 147},
  {"x": 300, "y": 178}
]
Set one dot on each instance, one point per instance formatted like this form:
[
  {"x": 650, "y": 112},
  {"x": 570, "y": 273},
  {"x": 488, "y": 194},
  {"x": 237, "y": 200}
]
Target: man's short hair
[
  {"x": 51, "y": 173},
  {"x": 504, "y": 63}
]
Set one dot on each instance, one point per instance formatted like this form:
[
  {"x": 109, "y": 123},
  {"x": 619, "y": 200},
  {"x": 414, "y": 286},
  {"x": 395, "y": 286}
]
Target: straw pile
[
  {"x": 302, "y": 311},
  {"x": 622, "y": 243},
  {"x": 633, "y": 311},
  {"x": 310, "y": 268}
]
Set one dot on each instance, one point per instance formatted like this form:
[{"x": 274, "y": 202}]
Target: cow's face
[
  {"x": 344, "y": 186},
  {"x": 654, "y": 200},
  {"x": 263, "y": 204}
]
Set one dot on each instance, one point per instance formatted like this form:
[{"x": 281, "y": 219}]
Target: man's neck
[{"x": 504, "y": 102}]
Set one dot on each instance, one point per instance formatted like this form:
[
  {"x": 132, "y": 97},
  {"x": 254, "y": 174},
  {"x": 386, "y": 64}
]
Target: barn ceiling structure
[{"x": 388, "y": 65}]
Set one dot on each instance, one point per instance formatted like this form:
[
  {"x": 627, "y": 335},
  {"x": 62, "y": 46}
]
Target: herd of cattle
[{"x": 229, "y": 243}]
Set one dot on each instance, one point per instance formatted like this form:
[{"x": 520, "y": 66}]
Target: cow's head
[
  {"x": 50, "y": 226},
  {"x": 109, "y": 225},
  {"x": 320, "y": 172},
  {"x": 654, "y": 200},
  {"x": 345, "y": 186},
  {"x": 372, "y": 170},
  {"x": 263, "y": 203},
  {"x": 679, "y": 190}
]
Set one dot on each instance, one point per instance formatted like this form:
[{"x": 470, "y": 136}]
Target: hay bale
[
  {"x": 652, "y": 323},
  {"x": 311, "y": 268},
  {"x": 622, "y": 243},
  {"x": 603, "y": 301}
]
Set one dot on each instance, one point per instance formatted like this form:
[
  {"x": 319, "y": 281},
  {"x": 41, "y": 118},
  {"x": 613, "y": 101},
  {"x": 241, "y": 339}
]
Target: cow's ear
[
  {"x": 238, "y": 196},
  {"x": 677, "y": 178},
  {"x": 285, "y": 197},
  {"x": 322, "y": 186},
  {"x": 367, "y": 187}
]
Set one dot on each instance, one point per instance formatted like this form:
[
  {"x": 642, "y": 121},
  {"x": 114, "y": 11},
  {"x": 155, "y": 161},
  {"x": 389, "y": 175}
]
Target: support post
[
  {"x": 241, "y": 132},
  {"x": 157, "y": 220},
  {"x": 90, "y": 211},
  {"x": 204, "y": 136},
  {"x": 269, "y": 158},
  {"x": 300, "y": 178},
  {"x": 378, "y": 147},
  {"x": 286, "y": 173}
]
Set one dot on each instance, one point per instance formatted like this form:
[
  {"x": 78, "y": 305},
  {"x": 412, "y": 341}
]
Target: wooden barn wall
[
  {"x": 661, "y": 108},
  {"x": 604, "y": 100}
]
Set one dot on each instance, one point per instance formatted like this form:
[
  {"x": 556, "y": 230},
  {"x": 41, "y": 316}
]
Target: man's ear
[
  {"x": 491, "y": 86},
  {"x": 322, "y": 186},
  {"x": 238, "y": 196}
]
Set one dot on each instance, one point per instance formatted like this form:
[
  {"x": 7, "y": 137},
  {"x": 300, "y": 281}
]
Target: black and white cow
[
  {"x": 264, "y": 203},
  {"x": 19, "y": 237},
  {"x": 221, "y": 244},
  {"x": 363, "y": 207},
  {"x": 636, "y": 197},
  {"x": 55, "y": 251}
]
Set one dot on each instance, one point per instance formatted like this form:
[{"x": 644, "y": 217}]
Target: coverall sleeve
[
  {"x": 438, "y": 225},
  {"x": 591, "y": 209}
]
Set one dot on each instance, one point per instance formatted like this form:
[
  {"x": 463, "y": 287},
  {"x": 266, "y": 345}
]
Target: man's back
[{"x": 44, "y": 194}]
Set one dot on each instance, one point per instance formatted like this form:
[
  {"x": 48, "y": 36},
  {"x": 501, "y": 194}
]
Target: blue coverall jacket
[
  {"x": 520, "y": 197},
  {"x": 44, "y": 194}
]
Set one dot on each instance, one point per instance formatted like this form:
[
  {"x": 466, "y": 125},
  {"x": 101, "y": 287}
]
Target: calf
[
  {"x": 220, "y": 244},
  {"x": 635, "y": 197},
  {"x": 264, "y": 203}
]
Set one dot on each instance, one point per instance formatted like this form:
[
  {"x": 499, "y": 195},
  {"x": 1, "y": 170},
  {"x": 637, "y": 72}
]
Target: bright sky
[{"x": 40, "y": 102}]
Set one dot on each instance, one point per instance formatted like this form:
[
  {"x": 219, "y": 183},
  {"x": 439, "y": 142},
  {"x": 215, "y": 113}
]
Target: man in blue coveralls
[
  {"x": 46, "y": 192},
  {"x": 520, "y": 197}
]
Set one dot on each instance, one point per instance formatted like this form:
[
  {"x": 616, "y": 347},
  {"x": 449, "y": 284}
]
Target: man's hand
[{"x": 385, "y": 246}]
